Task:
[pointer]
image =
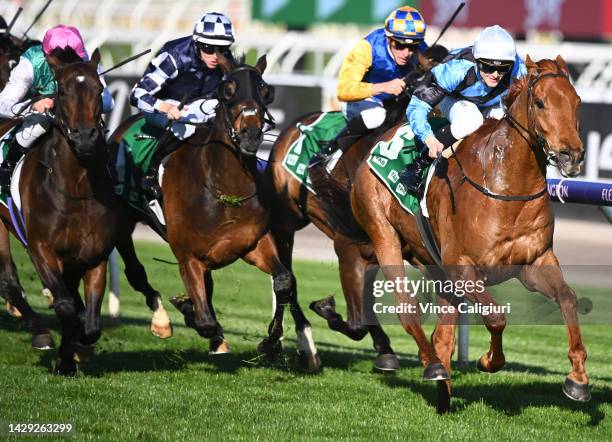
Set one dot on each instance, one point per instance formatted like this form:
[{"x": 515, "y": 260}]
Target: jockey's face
[
  {"x": 492, "y": 72},
  {"x": 492, "y": 79},
  {"x": 402, "y": 51},
  {"x": 208, "y": 54}
]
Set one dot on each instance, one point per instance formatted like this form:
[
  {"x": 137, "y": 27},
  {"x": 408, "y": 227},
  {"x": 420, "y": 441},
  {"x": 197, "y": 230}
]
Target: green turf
[{"x": 138, "y": 387}]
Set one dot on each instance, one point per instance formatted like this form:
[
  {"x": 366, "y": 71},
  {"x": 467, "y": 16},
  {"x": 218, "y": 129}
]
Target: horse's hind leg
[
  {"x": 137, "y": 278},
  {"x": 11, "y": 289},
  {"x": 266, "y": 258},
  {"x": 545, "y": 276}
]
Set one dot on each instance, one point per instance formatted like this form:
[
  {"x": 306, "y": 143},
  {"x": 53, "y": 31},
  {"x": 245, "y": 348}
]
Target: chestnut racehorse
[{"x": 490, "y": 209}]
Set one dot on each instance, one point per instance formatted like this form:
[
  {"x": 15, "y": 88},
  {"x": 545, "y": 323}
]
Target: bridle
[
  {"x": 532, "y": 131},
  {"x": 245, "y": 91},
  {"x": 527, "y": 134}
]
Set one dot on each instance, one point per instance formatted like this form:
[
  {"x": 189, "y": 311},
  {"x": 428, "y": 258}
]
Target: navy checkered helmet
[{"x": 214, "y": 29}]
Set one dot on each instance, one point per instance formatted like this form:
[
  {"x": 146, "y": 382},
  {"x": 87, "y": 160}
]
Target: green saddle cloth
[
  {"x": 323, "y": 129},
  {"x": 388, "y": 158},
  {"x": 133, "y": 158}
]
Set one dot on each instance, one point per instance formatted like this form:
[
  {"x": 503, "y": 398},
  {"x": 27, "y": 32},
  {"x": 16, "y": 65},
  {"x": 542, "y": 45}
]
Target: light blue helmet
[{"x": 494, "y": 43}]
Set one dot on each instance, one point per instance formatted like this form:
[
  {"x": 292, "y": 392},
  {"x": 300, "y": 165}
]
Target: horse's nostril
[{"x": 565, "y": 155}]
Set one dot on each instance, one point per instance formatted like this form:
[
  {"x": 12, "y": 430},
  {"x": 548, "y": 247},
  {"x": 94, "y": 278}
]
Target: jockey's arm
[
  {"x": 353, "y": 69},
  {"x": 108, "y": 103},
  {"x": 161, "y": 69},
  {"x": 442, "y": 80},
  {"x": 15, "y": 91}
]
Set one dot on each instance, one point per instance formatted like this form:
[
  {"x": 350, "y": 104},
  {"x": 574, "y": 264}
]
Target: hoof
[
  {"x": 12, "y": 310},
  {"x": 83, "y": 353},
  {"x": 576, "y": 392},
  {"x": 162, "y": 331},
  {"x": 218, "y": 347},
  {"x": 320, "y": 307},
  {"x": 47, "y": 294},
  {"x": 485, "y": 365},
  {"x": 435, "y": 372},
  {"x": 66, "y": 369},
  {"x": 272, "y": 352},
  {"x": 43, "y": 341},
  {"x": 309, "y": 363},
  {"x": 387, "y": 362}
]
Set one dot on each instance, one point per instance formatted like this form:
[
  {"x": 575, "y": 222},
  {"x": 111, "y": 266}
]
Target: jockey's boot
[
  {"x": 354, "y": 129},
  {"x": 13, "y": 155},
  {"x": 150, "y": 180},
  {"x": 412, "y": 176}
]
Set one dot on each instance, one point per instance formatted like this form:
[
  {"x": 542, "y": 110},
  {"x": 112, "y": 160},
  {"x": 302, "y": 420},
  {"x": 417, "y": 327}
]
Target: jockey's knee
[
  {"x": 32, "y": 128},
  {"x": 374, "y": 117},
  {"x": 467, "y": 123}
]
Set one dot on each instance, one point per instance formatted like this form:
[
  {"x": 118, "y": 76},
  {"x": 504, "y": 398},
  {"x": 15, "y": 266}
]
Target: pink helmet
[{"x": 62, "y": 36}]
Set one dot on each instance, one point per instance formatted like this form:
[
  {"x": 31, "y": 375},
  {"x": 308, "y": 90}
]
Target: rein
[{"x": 526, "y": 134}]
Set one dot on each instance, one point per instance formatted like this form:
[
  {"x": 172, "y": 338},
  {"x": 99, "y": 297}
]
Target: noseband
[{"x": 245, "y": 91}]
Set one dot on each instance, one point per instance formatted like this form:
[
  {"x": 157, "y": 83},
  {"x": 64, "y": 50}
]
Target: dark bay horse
[
  {"x": 70, "y": 212},
  {"x": 295, "y": 207},
  {"x": 508, "y": 224},
  {"x": 215, "y": 211}
]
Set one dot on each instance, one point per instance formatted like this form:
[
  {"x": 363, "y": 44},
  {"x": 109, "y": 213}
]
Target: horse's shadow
[{"x": 511, "y": 400}]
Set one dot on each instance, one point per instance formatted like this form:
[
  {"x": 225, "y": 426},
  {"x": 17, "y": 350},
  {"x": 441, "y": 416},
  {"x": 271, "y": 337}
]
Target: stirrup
[{"x": 150, "y": 185}]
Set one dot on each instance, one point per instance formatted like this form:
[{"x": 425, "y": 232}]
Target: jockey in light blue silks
[
  {"x": 467, "y": 88},
  {"x": 184, "y": 68}
]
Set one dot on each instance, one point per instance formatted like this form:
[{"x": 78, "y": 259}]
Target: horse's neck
[
  {"x": 72, "y": 176},
  {"x": 505, "y": 158}
]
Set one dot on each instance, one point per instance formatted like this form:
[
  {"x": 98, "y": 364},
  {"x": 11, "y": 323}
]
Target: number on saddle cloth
[{"x": 388, "y": 158}]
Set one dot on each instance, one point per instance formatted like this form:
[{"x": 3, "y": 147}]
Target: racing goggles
[
  {"x": 210, "y": 49},
  {"x": 401, "y": 45},
  {"x": 490, "y": 66}
]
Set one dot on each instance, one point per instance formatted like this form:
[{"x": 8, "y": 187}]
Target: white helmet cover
[
  {"x": 494, "y": 43},
  {"x": 214, "y": 29}
]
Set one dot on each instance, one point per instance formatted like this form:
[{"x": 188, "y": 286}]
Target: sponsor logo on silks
[
  {"x": 292, "y": 159},
  {"x": 400, "y": 189},
  {"x": 393, "y": 176},
  {"x": 301, "y": 169},
  {"x": 382, "y": 162}
]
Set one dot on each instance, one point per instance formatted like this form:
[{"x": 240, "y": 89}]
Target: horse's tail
[{"x": 335, "y": 201}]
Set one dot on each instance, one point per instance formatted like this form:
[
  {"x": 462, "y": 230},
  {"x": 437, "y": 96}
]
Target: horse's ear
[
  {"x": 562, "y": 65},
  {"x": 224, "y": 63},
  {"x": 425, "y": 63},
  {"x": 531, "y": 65},
  {"x": 262, "y": 63},
  {"x": 95, "y": 57}
]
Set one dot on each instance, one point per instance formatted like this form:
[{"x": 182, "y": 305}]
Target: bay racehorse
[
  {"x": 490, "y": 215},
  {"x": 215, "y": 211},
  {"x": 295, "y": 207},
  {"x": 71, "y": 215}
]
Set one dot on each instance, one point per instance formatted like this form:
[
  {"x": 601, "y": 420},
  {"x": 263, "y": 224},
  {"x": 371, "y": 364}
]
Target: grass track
[{"x": 140, "y": 388}]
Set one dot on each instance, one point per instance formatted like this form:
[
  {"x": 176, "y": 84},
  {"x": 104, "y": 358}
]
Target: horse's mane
[
  {"x": 517, "y": 87},
  {"x": 66, "y": 55}
]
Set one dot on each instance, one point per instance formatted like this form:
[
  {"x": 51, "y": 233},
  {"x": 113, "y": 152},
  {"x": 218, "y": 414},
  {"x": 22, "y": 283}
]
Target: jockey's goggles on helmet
[
  {"x": 210, "y": 49},
  {"x": 490, "y": 66},
  {"x": 401, "y": 45}
]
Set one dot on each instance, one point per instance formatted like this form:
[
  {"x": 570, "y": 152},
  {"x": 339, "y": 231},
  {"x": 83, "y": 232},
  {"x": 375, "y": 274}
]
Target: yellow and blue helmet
[{"x": 405, "y": 24}]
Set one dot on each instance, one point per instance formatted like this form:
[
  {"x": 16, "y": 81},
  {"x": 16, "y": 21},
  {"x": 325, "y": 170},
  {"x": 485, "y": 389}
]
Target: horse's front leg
[
  {"x": 545, "y": 276},
  {"x": 197, "y": 309},
  {"x": 95, "y": 284},
  {"x": 265, "y": 257},
  {"x": 50, "y": 269}
]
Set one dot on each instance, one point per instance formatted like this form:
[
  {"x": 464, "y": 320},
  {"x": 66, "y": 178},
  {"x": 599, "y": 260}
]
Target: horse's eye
[{"x": 539, "y": 103}]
